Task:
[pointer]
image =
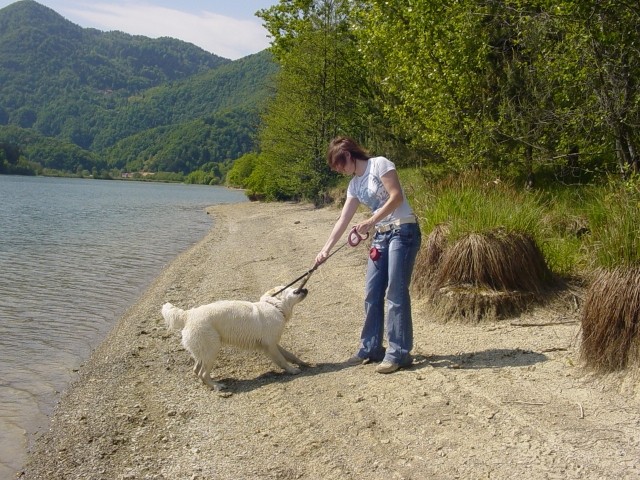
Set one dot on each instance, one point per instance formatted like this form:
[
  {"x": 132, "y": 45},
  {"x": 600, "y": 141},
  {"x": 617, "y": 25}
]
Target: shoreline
[
  {"x": 481, "y": 400},
  {"x": 70, "y": 272}
]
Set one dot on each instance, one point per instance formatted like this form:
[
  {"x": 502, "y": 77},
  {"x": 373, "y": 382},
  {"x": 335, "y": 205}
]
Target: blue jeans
[{"x": 390, "y": 274}]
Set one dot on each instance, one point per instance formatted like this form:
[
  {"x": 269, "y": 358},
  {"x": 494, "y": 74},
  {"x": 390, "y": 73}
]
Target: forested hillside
[{"x": 121, "y": 102}]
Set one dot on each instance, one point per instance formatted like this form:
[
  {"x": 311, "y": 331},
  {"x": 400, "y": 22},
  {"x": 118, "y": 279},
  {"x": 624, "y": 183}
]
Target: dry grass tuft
[
  {"x": 611, "y": 320},
  {"x": 483, "y": 276},
  {"x": 495, "y": 261},
  {"x": 428, "y": 259},
  {"x": 467, "y": 304}
]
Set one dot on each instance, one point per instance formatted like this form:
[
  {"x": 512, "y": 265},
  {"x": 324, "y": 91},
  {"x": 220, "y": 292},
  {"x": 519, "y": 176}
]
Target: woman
[{"x": 395, "y": 245}]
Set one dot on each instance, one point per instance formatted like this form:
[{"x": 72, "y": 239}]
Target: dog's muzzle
[{"x": 301, "y": 291}]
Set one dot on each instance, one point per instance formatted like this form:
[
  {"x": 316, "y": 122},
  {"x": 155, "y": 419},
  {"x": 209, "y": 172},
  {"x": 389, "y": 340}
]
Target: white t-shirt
[{"x": 369, "y": 189}]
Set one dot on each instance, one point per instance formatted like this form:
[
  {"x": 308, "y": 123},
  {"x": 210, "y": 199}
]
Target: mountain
[{"x": 128, "y": 101}]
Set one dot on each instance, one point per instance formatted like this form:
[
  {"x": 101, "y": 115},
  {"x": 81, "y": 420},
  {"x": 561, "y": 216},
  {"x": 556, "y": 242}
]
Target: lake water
[{"x": 74, "y": 254}]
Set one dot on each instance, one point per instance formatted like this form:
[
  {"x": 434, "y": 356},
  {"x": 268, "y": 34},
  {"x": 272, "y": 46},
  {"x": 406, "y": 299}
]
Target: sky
[{"x": 227, "y": 28}]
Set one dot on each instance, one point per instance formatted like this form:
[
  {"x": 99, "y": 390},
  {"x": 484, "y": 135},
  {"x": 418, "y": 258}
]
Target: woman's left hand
[{"x": 363, "y": 228}]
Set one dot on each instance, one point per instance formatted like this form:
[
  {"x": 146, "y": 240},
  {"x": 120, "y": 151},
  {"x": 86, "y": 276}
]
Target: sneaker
[
  {"x": 356, "y": 360},
  {"x": 387, "y": 367}
]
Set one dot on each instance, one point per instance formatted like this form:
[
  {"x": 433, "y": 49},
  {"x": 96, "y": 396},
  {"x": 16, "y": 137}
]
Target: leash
[{"x": 353, "y": 240}]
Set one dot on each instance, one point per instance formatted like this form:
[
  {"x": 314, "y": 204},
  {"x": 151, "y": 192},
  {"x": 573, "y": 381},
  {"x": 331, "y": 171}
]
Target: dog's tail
[{"x": 174, "y": 317}]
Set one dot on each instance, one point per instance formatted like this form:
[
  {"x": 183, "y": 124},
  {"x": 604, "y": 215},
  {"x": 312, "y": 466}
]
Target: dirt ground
[{"x": 498, "y": 400}]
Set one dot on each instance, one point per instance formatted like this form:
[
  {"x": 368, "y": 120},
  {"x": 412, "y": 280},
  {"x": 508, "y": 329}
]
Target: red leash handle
[{"x": 355, "y": 238}]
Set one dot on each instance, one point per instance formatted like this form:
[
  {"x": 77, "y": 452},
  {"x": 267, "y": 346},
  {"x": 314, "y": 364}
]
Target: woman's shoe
[
  {"x": 356, "y": 360},
  {"x": 387, "y": 367}
]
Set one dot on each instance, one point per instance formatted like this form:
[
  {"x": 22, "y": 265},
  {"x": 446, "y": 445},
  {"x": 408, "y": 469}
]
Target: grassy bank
[{"x": 579, "y": 228}]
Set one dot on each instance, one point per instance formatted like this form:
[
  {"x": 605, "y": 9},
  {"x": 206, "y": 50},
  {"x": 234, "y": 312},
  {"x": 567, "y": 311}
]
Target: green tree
[
  {"x": 511, "y": 84},
  {"x": 320, "y": 90},
  {"x": 428, "y": 62},
  {"x": 610, "y": 45},
  {"x": 241, "y": 170}
]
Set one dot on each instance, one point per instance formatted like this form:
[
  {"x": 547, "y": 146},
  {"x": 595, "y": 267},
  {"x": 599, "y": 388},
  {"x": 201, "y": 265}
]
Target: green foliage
[
  {"x": 13, "y": 163},
  {"x": 241, "y": 170},
  {"x": 271, "y": 180},
  {"x": 200, "y": 177},
  {"x": 165, "y": 177},
  {"x": 188, "y": 146},
  {"x": 427, "y": 62},
  {"x": 578, "y": 228},
  {"x": 237, "y": 90},
  {"x": 320, "y": 92},
  {"x": 9, "y": 153},
  {"x": 534, "y": 90},
  {"x": 564, "y": 225},
  {"x": 48, "y": 153},
  {"x": 613, "y": 213},
  {"x": 479, "y": 202}
]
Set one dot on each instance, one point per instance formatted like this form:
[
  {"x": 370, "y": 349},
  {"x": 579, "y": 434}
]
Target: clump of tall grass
[
  {"x": 611, "y": 320},
  {"x": 614, "y": 221},
  {"x": 481, "y": 259},
  {"x": 579, "y": 228},
  {"x": 481, "y": 203},
  {"x": 611, "y": 313},
  {"x": 470, "y": 203}
]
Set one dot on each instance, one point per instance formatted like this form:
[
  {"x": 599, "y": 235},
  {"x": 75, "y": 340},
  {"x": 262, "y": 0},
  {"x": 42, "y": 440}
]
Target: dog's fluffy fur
[{"x": 249, "y": 325}]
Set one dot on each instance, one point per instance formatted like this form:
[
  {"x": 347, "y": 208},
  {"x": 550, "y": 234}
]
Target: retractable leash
[{"x": 353, "y": 240}]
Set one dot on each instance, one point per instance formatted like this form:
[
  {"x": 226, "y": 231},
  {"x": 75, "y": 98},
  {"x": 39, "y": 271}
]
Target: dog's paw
[
  {"x": 293, "y": 371},
  {"x": 215, "y": 386}
]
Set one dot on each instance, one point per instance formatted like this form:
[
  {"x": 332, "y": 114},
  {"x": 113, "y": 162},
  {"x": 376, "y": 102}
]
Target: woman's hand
[
  {"x": 321, "y": 257},
  {"x": 363, "y": 228}
]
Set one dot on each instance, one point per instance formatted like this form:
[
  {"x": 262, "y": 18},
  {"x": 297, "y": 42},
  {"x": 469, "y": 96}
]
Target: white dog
[{"x": 249, "y": 325}]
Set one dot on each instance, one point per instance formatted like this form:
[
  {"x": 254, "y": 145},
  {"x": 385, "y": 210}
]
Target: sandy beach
[{"x": 499, "y": 400}]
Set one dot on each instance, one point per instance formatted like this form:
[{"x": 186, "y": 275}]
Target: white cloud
[{"x": 225, "y": 36}]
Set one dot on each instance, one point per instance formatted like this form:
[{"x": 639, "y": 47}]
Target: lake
[{"x": 74, "y": 254}]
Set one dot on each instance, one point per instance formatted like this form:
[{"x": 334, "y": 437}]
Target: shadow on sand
[{"x": 492, "y": 358}]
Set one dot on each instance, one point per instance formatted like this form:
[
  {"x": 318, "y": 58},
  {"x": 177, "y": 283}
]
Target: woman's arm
[{"x": 348, "y": 211}]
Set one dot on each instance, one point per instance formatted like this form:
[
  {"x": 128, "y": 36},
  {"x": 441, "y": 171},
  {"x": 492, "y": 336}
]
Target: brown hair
[{"x": 339, "y": 146}]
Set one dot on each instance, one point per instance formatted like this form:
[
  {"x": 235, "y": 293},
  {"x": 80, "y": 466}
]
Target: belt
[{"x": 385, "y": 227}]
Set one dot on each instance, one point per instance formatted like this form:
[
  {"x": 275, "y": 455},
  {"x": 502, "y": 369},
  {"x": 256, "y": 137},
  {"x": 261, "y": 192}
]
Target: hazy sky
[{"x": 227, "y": 28}]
